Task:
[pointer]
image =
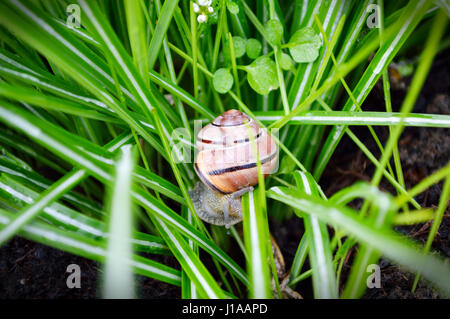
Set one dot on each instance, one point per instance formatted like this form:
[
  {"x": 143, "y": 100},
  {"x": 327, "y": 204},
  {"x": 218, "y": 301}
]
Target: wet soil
[{"x": 31, "y": 270}]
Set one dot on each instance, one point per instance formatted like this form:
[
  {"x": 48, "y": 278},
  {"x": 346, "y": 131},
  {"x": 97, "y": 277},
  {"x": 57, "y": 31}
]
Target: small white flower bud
[
  {"x": 210, "y": 9},
  {"x": 196, "y": 7},
  {"x": 204, "y": 3},
  {"x": 201, "y": 18}
]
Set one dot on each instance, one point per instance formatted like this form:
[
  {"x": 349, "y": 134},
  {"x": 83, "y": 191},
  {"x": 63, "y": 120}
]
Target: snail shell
[{"x": 225, "y": 160}]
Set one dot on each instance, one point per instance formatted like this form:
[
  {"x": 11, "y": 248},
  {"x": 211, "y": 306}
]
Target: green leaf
[
  {"x": 239, "y": 46},
  {"x": 253, "y": 48},
  {"x": 304, "y": 45},
  {"x": 274, "y": 32},
  {"x": 233, "y": 7},
  {"x": 262, "y": 75},
  {"x": 223, "y": 80},
  {"x": 286, "y": 62}
]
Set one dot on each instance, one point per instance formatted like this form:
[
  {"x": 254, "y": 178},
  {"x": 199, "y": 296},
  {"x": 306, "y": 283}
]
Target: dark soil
[{"x": 31, "y": 270}]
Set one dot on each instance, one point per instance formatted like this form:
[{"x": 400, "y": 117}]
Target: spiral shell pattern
[{"x": 226, "y": 161}]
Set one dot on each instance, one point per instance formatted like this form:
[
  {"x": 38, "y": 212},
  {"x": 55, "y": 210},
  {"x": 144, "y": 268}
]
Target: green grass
[{"x": 73, "y": 101}]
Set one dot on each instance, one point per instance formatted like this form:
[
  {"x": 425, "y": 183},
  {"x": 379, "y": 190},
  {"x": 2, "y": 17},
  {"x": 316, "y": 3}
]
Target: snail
[{"x": 226, "y": 166}]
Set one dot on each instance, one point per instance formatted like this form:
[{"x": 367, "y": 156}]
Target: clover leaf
[
  {"x": 304, "y": 45},
  {"x": 239, "y": 46},
  {"x": 222, "y": 80},
  {"x": 262, "y": 75},
  {"x": 286, "y": 62},
  {"x": 274, "y": 31},
  {"x": 253, "y": 48}
]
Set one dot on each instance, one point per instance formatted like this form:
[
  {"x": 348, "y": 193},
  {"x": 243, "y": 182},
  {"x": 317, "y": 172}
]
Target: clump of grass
[{"x": 134, "y": 71}]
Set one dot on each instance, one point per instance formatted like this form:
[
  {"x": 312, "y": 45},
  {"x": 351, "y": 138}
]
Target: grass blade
[
  {"x": 47, "y": 197},
  {"x": 359, "y": 118},
  {"x": 255, "y": 246},
  {"x": 167, "y": 12},
  {"x": 321, "y": 259},
  {"x": 118, "y": 278}
]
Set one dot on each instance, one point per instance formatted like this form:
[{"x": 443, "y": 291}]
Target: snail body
[
  {"x": 210, "y": 204},
  {"x": 226, "y": 165}
]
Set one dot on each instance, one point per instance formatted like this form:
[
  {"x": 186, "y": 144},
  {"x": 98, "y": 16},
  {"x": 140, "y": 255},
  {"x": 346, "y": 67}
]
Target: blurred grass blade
[
  {"x": 381, "y": 213},
  {"x": 443, "y": 202},
  {"x": 118, "y": 278},
  {"x": 414, "y": 217}
]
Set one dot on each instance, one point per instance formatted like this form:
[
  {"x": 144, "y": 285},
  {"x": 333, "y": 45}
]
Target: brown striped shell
[{"x": 225, "y": 160}]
